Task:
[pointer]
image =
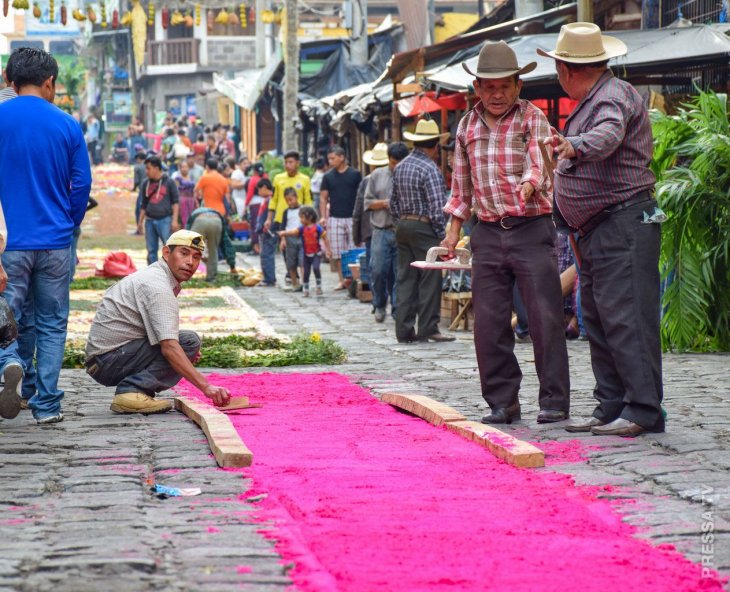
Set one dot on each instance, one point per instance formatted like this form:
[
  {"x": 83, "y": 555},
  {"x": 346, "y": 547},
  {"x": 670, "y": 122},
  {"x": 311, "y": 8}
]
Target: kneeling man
[{"x": 134, "y": 342}]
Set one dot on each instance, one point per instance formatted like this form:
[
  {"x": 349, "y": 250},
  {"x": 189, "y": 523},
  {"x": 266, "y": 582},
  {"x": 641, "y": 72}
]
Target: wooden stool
[{"x": 458, "y": 306}]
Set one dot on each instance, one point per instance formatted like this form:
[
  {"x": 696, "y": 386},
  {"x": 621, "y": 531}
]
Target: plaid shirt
[
  {"x": 611, "y": 134},
  {"x": 489, "y": 164},
  {"x": 419, "y": 189}
]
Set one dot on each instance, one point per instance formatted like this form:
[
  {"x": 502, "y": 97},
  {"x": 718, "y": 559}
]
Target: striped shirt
[
  {"x": 490, "y": 164},
  {"x": 611, "y": 134},
  {"x": 7, "y": 93},
  {"x": 142, "y": 305},
  {"x": 419, "y": 189}
]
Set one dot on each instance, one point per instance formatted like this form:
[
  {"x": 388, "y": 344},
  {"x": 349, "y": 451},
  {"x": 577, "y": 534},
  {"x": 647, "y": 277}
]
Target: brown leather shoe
[
  {"x": 551, "y": 415},
  {"x": 584, "y": 427},
  {"x": 619, "y": 427}
]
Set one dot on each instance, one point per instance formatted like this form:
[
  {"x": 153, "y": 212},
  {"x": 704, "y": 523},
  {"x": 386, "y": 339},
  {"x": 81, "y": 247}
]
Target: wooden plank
[
  {"x": 235, "y": 403},
  {"x": 411, "y": 87},
  {"x": 504, "y": 446},
  {"x": 424, "y": 407},
  {"x": 225, "y": 443}
]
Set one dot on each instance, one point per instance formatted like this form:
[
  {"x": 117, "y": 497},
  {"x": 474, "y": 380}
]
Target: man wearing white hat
[
  {"x": 498, "y": 173},
  {"x": 383, "y": 251},
  {"x": 604, "y": 190},
  {"x": 135, "y": 343},
  {"x": 419, "y": 195}
]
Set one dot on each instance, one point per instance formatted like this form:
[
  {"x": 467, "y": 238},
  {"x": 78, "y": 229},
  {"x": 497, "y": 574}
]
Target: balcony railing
[{"x": 173, "y": 51}]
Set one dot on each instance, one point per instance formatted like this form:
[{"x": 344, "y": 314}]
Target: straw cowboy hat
[
  {"x": 498, "y": 60},
  {"x": 378, "y": 156},
  {"x": 582, "y": 43},
  {"x": 426, "y": 129}
]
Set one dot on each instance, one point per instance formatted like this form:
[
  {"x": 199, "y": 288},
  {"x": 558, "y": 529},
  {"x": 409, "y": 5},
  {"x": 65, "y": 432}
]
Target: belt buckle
[{"x": 501, "y": 223}]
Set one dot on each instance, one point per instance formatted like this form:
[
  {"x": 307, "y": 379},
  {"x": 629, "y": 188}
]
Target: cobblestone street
[{"x": 77, "y": 515}]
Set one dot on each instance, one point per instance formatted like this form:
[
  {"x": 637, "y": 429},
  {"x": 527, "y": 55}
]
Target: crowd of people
[{"x": 193, "y": 185}]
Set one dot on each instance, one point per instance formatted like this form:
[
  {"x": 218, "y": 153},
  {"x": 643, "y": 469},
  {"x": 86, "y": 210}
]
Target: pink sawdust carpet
[{"x": 362, "y": 497}]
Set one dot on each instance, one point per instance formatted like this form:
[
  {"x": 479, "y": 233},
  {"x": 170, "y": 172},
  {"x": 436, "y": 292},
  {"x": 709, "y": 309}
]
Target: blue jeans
[
  {"x": 268, "y": 257},
  {"x": 37, "y": 292},
  {"x": 383, "y": 267},
  {"x": 154, "y": 232}
]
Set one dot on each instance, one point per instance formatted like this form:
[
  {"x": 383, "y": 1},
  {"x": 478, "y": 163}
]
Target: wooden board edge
[
  {"x": 502, "y": 445},
  {"x": 229, "y": 450},
  {"x": 428, "y": 409}
]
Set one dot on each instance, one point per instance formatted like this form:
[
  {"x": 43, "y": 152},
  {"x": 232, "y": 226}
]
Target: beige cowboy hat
[
  {"x": 498, "y": 60},
  {"x": 378, "y": 156},
  {"x": 426, "y": 129},
  {"x": 583, "y": 43}
]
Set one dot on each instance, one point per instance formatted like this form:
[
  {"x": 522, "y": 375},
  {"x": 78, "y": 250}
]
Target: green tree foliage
[{"x": 692, "y": 164}]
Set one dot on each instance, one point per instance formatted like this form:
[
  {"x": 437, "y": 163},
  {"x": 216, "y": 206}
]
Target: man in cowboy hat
[
  {"x": 134, "y": 341},
  {"x": 498, "y": 173},
  {"x": 383, "y": 250},
  {"x": 604, "y": 190},
  {"x": 417, "y": 203}
]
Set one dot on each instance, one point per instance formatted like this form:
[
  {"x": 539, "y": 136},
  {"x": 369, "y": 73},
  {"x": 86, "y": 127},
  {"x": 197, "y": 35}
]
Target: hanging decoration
[
  {"x": 139, "y": 31},
  {"x": 189, "y": 22},
  {"x": 64, "y": 13},
  {"x": 78, "y": 15},
  {"x": 197, "y": 15},
  {"x": 177, "y": 18},
  {"x": 90, "y": 13},
  {"x": 51, "y": 12},
  {"x": 126, "y": 19},
  {"x": 251, "y": 14},
  {"x": 115, "y": 19},
  {"x": 242, "y": 11},
  {"x": 6, "y": 7},
  {"x": 150, "y": 14},
  {"x": 165, "y": 15},
  {"x": 233, "y": 17},
  {"x": 21, "y": 4},
  {"x": 102, "y": 8},
  {"x": 210, "y": 17},
  {"x": 222, "y": 18},
  {"x": 36, "y": 10}
]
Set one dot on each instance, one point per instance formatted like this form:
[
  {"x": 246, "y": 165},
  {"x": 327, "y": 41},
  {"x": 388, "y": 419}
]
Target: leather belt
[
  {"x": 592, "y": 223},
  {"x": 415, "y": 217},
  {"x": 510, "y": 222}
]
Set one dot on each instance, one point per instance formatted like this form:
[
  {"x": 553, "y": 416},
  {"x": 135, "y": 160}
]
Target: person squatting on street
[
  {"x": 135, "y": 343},
  {"x": 417, "y": 202},
  {"x": 42, "y": 205},
  {"x": 498, "y": 172},
  {"x": 604, "y": 191}
]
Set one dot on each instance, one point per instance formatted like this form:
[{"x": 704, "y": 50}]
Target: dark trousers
[
  {"x": 138, "y": 367},
  {"x": 526, "y": 255},
  {"x": 312, "y": 262},
  {"x": 418, "y": 291},
  {"x": 619, "y": 282}
]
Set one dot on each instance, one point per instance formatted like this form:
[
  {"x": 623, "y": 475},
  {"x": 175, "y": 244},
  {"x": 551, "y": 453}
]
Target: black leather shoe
[
  {"x": 619, "y": 427},
  {"x": 503, "y": 414},
  {"x": 440, "y": 338},
  {"x": 551, "y": 415},
  {"x": 585, "y": 426}
]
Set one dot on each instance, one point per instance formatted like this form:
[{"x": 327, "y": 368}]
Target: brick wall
[{"x": 231, "y": 52}]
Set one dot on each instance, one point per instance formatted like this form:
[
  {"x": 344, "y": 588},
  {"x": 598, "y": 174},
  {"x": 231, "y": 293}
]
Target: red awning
[{"x": 428, "y": 102}]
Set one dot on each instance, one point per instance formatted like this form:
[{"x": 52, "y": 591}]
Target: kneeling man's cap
[{"x": 186, "y": 238}]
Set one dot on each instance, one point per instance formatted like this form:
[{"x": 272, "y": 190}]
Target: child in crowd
[
  {"x": 310, "y": 233},
  {"x": 140, "y": 174},
  {"x": 265, "y": 190},
  {"x": 290, "y": 243}
]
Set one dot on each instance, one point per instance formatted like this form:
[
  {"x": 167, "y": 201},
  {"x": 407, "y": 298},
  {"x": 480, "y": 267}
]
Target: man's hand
[
  {"x": 3, "y": 279},
  {"x": 175, "y": 226},
  {"x": 526, "y": 190},
  {"x": 217, "y": 394},
  {"x": 449, "y": 242},
  {"x": 140, "y": 228},
  {"x": 561, "y": 146}
]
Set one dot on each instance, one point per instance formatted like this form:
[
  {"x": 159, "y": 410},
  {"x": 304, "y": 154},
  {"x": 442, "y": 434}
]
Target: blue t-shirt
[{"x": 45, "y": 176}]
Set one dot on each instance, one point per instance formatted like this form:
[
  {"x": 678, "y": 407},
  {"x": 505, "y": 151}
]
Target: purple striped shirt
[{"x": 611, "y": 134}]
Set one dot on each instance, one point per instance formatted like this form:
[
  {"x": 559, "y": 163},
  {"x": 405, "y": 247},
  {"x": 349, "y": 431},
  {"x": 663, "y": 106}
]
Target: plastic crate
[{"x": 347, "y": 257}]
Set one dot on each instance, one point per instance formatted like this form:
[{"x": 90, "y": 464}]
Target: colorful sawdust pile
[{"x": 365, "y": 498}]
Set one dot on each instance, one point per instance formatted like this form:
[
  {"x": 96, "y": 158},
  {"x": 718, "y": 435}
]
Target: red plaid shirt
[{"x": 489, "y": 164}]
